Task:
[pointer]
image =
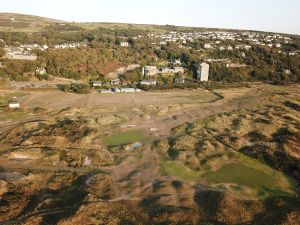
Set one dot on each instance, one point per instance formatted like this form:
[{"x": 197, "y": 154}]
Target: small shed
[{"x": 13, "y": 104}]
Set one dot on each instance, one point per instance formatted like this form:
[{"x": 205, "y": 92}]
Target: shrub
[
  {"x": 75, "y": 88},
  {"x": 80, "y": 88},
  {"x": 256, "y": 136},
  {"x": 64, "y": 87},
  {"x": 173, "y": 153}
]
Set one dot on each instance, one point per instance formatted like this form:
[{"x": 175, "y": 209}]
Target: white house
[
  {"x": 97, "y": 83},
  {"x": 40, "y": 71},
  {"x": 124, "y": 44},
  {"x": 127, "y": 90},
  {"x": 148, "y": 82},
  {"x": 105, "y": 91},
  {"x": 207, "y": 46},
  {"x": 14, "y": 104},
  {"x": 115, "y": 82},
  {"x": 153, "y": 70},
  {"x": 149, "y": 70}
]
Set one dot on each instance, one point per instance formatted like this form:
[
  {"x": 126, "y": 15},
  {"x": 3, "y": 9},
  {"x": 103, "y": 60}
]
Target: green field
[
  {"x": 124, "y": 138},
  {"x": 177, "y": 169},
  {"x": 242, "y": 171},
  {"x": 240, "y": 174},
  {"x": 265, "y": 184}
]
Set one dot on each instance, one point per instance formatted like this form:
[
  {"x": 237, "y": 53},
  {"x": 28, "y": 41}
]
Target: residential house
[
  {"x": 128, "y": 90},
  {"x": 124, "y": 44},
  {"x": 105, "y": 91},
  {"x": 40, "y": 71},
  {"x": 97, "y": 84},
  {"x": 149, "y": 70},
  {"x": 115, "y": 82},
  {"x": 14, "y": 104},
  {"x": 148, "y": 82}
]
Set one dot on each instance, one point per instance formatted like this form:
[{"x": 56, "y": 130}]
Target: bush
[
  {"x": 173, "y": 153},
  {"x": 80, "y": 88},
  {"x": 64, "y": 87},
  {"x": 256, "y": 136},
  {"x": 42, "y": 76},
  {"x": 75, "y": 88}
]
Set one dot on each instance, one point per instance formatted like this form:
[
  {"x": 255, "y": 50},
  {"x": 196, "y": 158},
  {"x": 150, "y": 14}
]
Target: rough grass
[
  {"x": 202, "y": 97},
  {"x": 12, "y": 115},
  {"x": 177, "y": 169},
  {"x": 6, "y": 97},
  {"x": 124, "y": 138}
]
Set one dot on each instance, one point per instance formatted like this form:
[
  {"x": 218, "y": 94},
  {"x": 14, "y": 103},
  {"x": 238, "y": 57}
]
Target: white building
[
  {"x": 203, "y": 72},
  {"x": 40, "y": 71},
  {"x": 127, "y": 90},
  {"x": 14, "y": 104},
  {"x": 115, "y": 82},
  {"x": 149, "y": 70},
  {"x": 97, "y": 83},
  {"x": 148, "y": 82},
  {"x": 105, "y": 91},
  {"x": 153, "y": 70},
  {"x": 207, "y": 46},
  {"x": 124, "y": 44},
  {"x": 10, "y": 54}
]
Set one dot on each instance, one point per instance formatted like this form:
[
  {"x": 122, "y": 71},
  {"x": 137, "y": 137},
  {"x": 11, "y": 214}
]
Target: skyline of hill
[{"x": 15, "y": 22}]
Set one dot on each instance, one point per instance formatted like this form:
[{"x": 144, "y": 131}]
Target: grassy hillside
[
  {"x": 24, "y": 23},
  {"x": 28, "y": 23}
]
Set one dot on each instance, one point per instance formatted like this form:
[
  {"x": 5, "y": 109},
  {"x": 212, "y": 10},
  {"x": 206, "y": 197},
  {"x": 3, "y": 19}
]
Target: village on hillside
[{"x": 217, "y": 41}]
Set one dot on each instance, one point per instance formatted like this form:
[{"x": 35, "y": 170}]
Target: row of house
[
  {"x": 24, "y": 52},
  {"x": 119, "y": 90},
  {"x": 255, "y": 37},
  {"x": 18, "y": 54},
  {"x": 216, "y": 40},
  {"x": 202, "y": 75},
  {"x": 70, "y": 45},
  {"x": 97, "y": 84},
  {"x": 154, "y": 70}
]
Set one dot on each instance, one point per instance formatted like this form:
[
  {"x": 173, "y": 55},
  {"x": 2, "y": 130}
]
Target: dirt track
[
  {"x": 163, "y": 124},
  {"x": 199, "y": 104},
  {"x": 54, "y": 100}
]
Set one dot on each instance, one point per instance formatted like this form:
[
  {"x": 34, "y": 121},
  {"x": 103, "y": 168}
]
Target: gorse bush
[{"x": 75, "y": 88}]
